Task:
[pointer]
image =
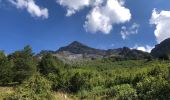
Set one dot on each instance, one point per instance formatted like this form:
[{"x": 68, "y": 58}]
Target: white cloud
[
  {"x": 129, "y": 31},
  {"x": 162, "y": 21},
  {"x": 97, "y": 22},
  {"x": 73, "y": 5},
  {"x": 146, "y": 48},
  {"x": 102, "y": 18},
  {"x": 31, "y": 7},
  {"x": 96, "y": 2},
  {"x": 103, "y": 15}
]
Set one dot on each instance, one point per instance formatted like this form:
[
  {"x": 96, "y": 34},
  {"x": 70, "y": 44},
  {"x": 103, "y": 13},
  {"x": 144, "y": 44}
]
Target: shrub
[
  {"x": 155, "y": 71},
  {"x": 54, "y": 79},
  {"x": 49, "y": 64},
  {"x": 138, "y": 77},
  {"x": 36, "y": 88},
  {"x": 80, "y": 82},
  {"x": 124, "y": 79},
  {"x": 123, "y": 92},
  {"x": 154, "y": 88}
]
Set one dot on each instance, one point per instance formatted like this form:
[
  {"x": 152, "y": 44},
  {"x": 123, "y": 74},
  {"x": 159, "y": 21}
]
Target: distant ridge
[
  {"x": 79, "y": 51},
  {"x": 162, "y": 49}
]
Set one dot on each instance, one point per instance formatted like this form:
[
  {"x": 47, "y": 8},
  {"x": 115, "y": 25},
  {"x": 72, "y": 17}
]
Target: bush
[
  {"x": 54, "y": 79},
  {"x": 154, "y": 88},
  {"x": 36, "y": 88},
  {"x": 123, "y": 92},
  {"x": 155, "y": 71},
  {"x": 138, "y": 77},
  {"x": 80, "y": 82},
  {"x": 124, "y": 79},
  {"x": 49, "y": 64}
]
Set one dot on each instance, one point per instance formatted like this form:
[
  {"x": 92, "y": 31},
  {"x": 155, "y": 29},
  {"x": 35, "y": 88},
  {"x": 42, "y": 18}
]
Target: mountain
[
  {"x": 127, "y": 53},
  {"x": 80, "y": 51},
  {"x": 162, "y": 49},
  {"x": 79, "y": 48}
]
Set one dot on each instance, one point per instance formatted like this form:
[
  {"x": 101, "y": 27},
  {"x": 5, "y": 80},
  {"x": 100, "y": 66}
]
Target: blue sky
[{"x": 53, "y": 29}]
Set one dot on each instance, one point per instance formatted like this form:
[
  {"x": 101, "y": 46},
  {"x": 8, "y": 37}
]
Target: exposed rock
[{"x": 79, "y": 51}]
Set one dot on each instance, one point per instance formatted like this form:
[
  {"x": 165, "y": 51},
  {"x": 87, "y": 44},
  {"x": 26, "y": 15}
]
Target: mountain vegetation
[{"x": 114, "y": 76}]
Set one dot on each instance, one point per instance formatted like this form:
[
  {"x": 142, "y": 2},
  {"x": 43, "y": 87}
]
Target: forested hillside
[{"x": 32, "y": 78}]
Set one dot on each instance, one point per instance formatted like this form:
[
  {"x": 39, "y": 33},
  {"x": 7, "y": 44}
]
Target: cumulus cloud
[
  {"x": 102, "y": 18},
  {"x": 126, "y": 31},
  {"x": 162, "y": 21},
  {"x": 103, "y": 15},
  {"x": 31, "y": 7},
  {"x": 146, "y": 48},
  {"x": 73, "y": 5},
  {"x": 97, "y": 22}
]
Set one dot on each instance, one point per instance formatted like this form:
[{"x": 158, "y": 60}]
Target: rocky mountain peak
[
  {"x": 76, "y": 43},
  {"x": 80, "y": 48},
  {"x": 161, "y": 49}
]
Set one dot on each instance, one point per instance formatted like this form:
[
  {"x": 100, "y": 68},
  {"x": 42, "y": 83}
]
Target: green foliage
[
  {"x": 121, "y": 80},
  {"x": 6, "y": 74},
  {"x": 51, "y": 68},
  {"x": 2, "y": 55},
  {"x": 54, "y": 79},
  {"x": 154, "y": 88},
  {"x": 35, "y": 88},
  {"x": 24, "y": 65},
  {"x": 97, "y": 79},
  {"x": 123, "y": 92},
  {"x": 49, "y": 64},
  {"x": 80, "y": 82}
]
